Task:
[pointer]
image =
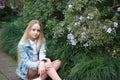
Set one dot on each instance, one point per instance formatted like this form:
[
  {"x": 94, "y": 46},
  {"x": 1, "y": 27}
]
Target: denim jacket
[{"x": 26, "y": 52}]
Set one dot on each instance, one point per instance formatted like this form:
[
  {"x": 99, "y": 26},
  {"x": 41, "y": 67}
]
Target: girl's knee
[{"x": 58, "y": 62}]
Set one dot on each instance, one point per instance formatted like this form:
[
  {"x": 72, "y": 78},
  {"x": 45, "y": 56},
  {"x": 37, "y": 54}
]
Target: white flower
[
  {"x": 70, "y": 6},
  {"x": 2, "y": 6},
  {"x": 73, "y": 42},
  {"x": 77, "y": 23},
  {"x": 105, "y": 27},
  {"x": 80, "y": 17},
  {"x": 96, "y": 9},
  {"x": 109, "y": 30},
  {"x": 11, "y": 5},
  {"x": 84, "y": 28},
  {"x": 115, "y": 24},
  {"x": 114, "y": 51},
  {"x": 69, "y": 29},
  {"x": 118, "y": 9},
  {"x": 90, "y": 16}
]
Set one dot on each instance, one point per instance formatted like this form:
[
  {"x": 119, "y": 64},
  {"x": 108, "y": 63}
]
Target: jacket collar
[{"x": 27, "y": 43}]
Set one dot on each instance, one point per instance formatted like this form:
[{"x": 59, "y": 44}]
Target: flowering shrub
[
  {"x": 88, "y": 31},
  {"x": 2, "y": 4},
  {"x": 2, "y": 0},
  {"x": 90, "y": 26},
  {"x": 13, "y": 4}
]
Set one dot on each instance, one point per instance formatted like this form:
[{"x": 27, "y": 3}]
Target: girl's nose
[{"x": 36, "y": 31}]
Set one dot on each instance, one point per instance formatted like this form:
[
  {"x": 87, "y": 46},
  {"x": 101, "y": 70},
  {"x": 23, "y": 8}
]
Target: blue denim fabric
[{"x": 26, "y": 53}]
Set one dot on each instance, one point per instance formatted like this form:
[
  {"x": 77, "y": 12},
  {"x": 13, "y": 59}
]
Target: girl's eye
[
  {"x": 38, "y": 30},
  {"x": 33, "y": 29}
]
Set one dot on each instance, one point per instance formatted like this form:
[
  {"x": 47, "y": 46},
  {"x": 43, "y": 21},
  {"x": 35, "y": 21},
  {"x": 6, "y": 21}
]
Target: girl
[{"x": 33, "y": 64}]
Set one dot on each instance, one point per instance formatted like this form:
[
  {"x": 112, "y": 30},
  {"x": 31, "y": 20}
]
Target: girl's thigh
[{"x": 32, "y": 74}]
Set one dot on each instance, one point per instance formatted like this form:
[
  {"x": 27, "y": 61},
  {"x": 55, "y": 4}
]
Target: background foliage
[{"x": 83, "y": 34}]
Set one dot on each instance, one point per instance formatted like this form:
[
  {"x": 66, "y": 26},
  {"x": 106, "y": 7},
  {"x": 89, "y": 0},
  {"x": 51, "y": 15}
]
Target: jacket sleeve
[
  {"x": 25, "y": 58},
  {"x": 42, "y": 52}
]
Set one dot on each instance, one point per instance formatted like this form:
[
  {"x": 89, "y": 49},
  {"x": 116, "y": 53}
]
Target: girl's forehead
[{"x": 36, "y": 25}]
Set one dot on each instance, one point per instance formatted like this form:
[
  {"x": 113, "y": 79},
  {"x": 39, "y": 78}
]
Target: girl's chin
[{"x": 33, "y": 39}]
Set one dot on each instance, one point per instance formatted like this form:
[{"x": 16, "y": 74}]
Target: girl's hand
[
  {"x": 48, "y": 60},
  {"x": 41, "y": 67},
  {"x": 48, "y": 64}
]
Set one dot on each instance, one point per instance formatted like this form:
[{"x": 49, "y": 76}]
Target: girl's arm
[
  {"x": 24, "y": 57},
  {"x": 42, "y": 52}
]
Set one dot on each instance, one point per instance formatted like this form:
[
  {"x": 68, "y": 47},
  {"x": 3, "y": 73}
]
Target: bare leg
[
  {"x": 32, "y": 74},
  {"x": 53, "y": 74},
  {"x": 56, "y": 64},
  {"x": 52, "y": 71}
]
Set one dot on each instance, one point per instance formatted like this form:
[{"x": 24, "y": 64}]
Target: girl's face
[{"x": 35, "y": 32}]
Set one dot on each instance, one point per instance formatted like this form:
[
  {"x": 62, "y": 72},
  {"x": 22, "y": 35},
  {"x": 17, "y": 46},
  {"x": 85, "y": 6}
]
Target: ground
[{"x": 7, "y": 67}]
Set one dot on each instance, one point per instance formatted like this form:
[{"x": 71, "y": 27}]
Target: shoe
[{"x": 37, "y": 78}]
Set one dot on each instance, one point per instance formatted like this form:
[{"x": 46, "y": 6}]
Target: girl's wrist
[
  {"x": 41, "y": 63},
  {"x": 44, "y": 60}
]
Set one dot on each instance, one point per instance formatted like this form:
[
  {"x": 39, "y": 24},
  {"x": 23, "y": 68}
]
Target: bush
[
  {"x": 7, "y": 14},
  {"x": 96, "y": 67},
  {"x": 90, "y": 28},
  {"x": 9, "y": 36}
]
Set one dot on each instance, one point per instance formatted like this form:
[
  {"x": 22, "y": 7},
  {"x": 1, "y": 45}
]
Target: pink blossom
[
  {"x": 70, "y": 36},
  {"x": 16, "y": 6},
  {"x": 83, "y": 35},
  {"x": 85, "y": 45},
  {"x": 2, "y": 0}
]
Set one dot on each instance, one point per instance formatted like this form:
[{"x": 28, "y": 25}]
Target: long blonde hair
[{"x": 26, "y": 35}]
